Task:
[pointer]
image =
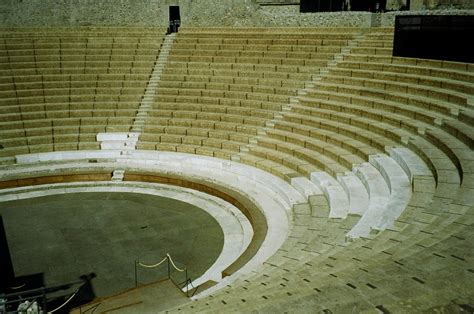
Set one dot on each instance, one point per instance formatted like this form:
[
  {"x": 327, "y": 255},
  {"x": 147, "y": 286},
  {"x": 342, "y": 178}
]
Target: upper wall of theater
[{"x": 14, "y": 13}]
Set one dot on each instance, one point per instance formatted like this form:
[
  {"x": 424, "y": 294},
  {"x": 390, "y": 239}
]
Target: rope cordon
[
  {"x": 172, "y": 263},
  {"x": 153, "y": 266},
  {"x": 67, "y": 301},
  {"x": 161, "y": 262}
]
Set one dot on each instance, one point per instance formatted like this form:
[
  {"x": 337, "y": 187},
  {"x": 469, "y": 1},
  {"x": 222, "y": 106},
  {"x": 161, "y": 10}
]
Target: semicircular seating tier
[
  {"x": 61, "y": 86},
  {"x": 379, "y": 147}
]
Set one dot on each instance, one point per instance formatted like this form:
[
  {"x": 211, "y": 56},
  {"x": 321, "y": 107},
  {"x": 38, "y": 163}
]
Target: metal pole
[
  {"x": 169, "y": 270},
  {"x": 136, "y": 278},
  {"x": 187, "y": 289},
  {"x": 45, "y": 310}
]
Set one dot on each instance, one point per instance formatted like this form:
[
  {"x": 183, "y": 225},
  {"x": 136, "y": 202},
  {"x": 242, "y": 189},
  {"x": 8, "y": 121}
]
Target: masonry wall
[
  {"x": 155, "y": 13},
  {"x": 15, "y": 13}
]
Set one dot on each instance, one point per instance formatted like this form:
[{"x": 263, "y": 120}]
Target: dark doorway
[
  {"x": 175, "y": 19},
  {"x": 441, "y": 37},
  {"x": 368, "y": 5},
  {"x": 321, "y": 5}
]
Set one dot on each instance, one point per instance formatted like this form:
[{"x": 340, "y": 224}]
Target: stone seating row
[
  {"x": 269, "y": 36},
  {"x": 217, "y": 95},
  {"x": 309, "y": 128},
  {"x": 366, "y": 106},
  {"x": 72, "y": 122},
  {"x": 424, "y": 64},
  {"x": 439, "y": 106},
  {"x": 98, "y": 98},
  {"x": 418, "y": 79},
  {"x": 61, "y": 91},
  {"x": 178, "y": 89},
  {"x": 60, "y": 133},
  {"x": 55, "y": 114},
  {"x": 271, "y": 30},
  {"x": 193, "y": 110},
  {"x": 58, "y": 31},
  {"x": 423, "y": 117},
  {"x": 262, "y": 71},
  {"x": 76, "y": 70},
  {"x": 231, "y": 114},
  {"x": 381, "y": 51},
  {"x": 76, "y": 56},
  {"x": 260, "y": 41},
  {"x": 456, "y": 96},
  {"x": 274, "y": 48},
  {"x": 68, "y": 84},
  {"x": 65, "y": 49},
  {"x": 251, "y": 53},
  {"x": 224, "y": 70},
  {"x": 171, "y": 103},
  {"x": 376, "y": 43},
  {"x": 74, "y": 108},
  {"x": 73, "y": 79},
  {"x": 76, "y": 64},
  {"x": 249, "y": 60},
  {"x": 411, "y": 70},
  {"x": 200, "y": 81}
]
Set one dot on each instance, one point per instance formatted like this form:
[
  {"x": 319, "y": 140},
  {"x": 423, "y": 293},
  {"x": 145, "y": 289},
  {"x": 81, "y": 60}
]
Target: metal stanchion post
[{"x": 136, "y": 278}]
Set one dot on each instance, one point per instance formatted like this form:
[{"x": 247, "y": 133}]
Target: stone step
[
  {"x": 356, "y": 192},
  {"x": 306, "y": 187},
  {"x": 334, "y": 192},
  {"x": 118, "y": 175}
]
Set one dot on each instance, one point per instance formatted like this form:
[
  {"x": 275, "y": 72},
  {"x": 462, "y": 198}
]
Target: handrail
[
  {"x": 67, "y": 301},
  {"x": 37, "y": 294},
  {"x": 170, "y": 264}
]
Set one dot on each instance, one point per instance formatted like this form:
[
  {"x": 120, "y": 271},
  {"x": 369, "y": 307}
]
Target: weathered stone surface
[{"x": 200, "y": 13}]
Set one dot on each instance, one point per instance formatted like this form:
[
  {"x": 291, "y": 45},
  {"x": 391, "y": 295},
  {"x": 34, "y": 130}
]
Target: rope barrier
[
  {"x": 172, "y": 263},
  {"x": 67, "y": 301},
  {"x": 161, "y": 262},
  {"x": 153, "y": 266}
]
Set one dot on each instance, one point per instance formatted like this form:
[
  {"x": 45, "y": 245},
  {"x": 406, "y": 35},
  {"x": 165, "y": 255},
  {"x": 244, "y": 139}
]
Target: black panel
[
  {"x": 7, "y": 274},
  {"x": 368, "y": 5},
  {"x": 320, "y": 5},
  {"x": 175, "y": 19},
  {"x": 440, "y": 37}
]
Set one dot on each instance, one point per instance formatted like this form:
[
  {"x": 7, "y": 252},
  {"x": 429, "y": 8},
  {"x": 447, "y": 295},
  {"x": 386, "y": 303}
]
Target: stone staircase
[{"x": 150, "y": 92}]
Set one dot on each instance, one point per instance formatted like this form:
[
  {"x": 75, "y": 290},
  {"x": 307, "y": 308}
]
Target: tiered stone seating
[
  {"x": 371, "y": 103},
  {"x": 60, "y": 87},
  {"x": 382, "y": 148},
  {"x": 228, "y": 84}
]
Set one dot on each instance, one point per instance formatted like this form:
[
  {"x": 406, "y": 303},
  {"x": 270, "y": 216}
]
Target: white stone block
[
  {"x": 411, "y": 163},
  {"x": 334, "y": 192},
  {"x": 356, "y": 192},
  {"x": 338, "y": 201},
  {"x": 114, "y": 136},
  {"x": 305, "y": 187},
  {"x": 322, "y": 179}
]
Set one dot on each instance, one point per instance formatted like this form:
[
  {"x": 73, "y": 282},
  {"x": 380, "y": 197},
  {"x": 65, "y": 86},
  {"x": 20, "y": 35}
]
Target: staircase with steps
[{"x": 153, "y": 84}]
